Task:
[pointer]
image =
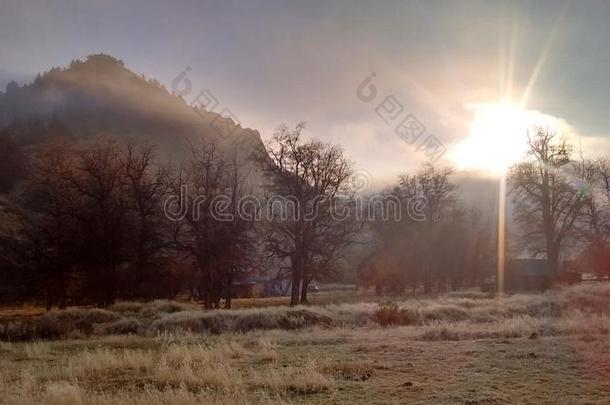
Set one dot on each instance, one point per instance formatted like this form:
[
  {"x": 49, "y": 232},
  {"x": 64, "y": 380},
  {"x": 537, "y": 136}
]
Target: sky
[{"x": 273, "y": 62}]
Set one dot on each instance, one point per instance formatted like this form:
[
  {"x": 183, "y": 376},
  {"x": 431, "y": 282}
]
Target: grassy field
[
  {"x": 551, "y": 348},
  {"x": 315, "y": 298}
]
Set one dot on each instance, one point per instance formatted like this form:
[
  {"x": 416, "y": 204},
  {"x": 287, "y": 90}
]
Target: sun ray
[
  {"x": 511, "y": 62},
  {"x": 506, "y": 49},
  {"x": 543, "y": 57}
]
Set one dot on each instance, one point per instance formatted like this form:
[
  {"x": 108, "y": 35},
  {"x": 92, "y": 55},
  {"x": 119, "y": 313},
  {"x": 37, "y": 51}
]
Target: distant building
[
  {"x": 258, "y": 287},
  {"x": 533, "y": 275},
  {"x": 527, "y": 275}
]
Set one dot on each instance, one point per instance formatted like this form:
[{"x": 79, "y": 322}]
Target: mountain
[{"x": 101, "y": 97}]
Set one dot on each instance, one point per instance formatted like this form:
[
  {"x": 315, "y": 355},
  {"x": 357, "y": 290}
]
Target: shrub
[
  {"x": 438, "y": 312},
  {"x": 221, "y": 321},
  {"x": 387, "y": 314},
  {"x": 73, "y": 315},
  {"x": 157, "y": 307},
  {"x": 30, "y": 329},
  {"x": 474, "y": 295},
  {"x": 121, "y": 327},
  {"x": 126, "y": 307}
]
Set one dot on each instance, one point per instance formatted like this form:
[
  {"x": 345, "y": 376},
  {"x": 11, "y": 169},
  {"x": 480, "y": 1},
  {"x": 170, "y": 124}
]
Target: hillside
[{"x": 101, "y": 97}]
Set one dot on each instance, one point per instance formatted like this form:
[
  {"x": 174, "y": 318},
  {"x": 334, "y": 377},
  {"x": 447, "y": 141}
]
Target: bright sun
[{"x": 497, "y": 137}]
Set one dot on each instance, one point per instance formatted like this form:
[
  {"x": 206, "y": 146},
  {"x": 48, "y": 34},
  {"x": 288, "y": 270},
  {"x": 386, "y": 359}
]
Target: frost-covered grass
[
  {"x": 169, "y": 370},
  {"x": 457, "y": 348},
  {"x": 462, "y": 308}
]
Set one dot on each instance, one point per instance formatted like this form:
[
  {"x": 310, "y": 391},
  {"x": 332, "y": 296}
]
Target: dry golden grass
[
  {"x": 456, "y": 349},
  {"x": 347, "y": 365},
  {"x": 302, "y": 379},
  {"x": 170, "y": 370},
  {"x": 36, "y": 350}
]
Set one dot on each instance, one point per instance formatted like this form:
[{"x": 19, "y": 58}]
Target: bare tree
[
  {"x": 546, "y": 195},
  {"x": 214, "y": 229},
  {"x": 434, "y": 188},
  {"x": 145, "y": 185},
  {"x": 240, "y": 252},
  {"x": 103, "y": 215},
  {"x": 308, "y": 180},
  {"x": 50, "y": 227},
  {"x": 596, "y": 224},
  {"x": 12, "y": 160},
  {"x": 480, "y": 247},
  {"x": 435, "y": 241}
]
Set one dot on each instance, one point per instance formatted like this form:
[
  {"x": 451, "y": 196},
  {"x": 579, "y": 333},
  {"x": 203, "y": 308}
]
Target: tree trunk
[
  {"x": 62, "y": 292},
  {"x": 552, "y": 254},
  {"x": 207, "y": 297},
  {"x": 296, "y": 283},
  {"x": 304, "y": 287},
  {"x": 229, "y": 291},
  {"x": 49, "y": 299},
  {"x": 553, "y": 262},
  {"x": 110, "y": 286},
  {"x": 207, "y": 300}
]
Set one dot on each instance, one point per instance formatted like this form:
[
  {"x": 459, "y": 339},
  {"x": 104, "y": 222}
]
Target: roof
[{"x": 528, "y": 267}]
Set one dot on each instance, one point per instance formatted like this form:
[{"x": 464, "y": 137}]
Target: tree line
[
  {"x": 561, "y": 212},
  {"x": 450, "y": 246},
  {"x": 92, "y": 223}
]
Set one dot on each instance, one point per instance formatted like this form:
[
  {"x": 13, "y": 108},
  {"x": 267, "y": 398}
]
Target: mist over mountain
[{"x": 101, "y": 97}]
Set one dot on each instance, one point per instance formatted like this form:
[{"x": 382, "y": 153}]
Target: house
[
  {"x": 527, "y": 275},
  {"x": 531, "y": 275},
  {"x": 258, "y": 287}
]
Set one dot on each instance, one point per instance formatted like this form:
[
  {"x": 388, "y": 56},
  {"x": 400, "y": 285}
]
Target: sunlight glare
[{"x": 498, "y": 136}]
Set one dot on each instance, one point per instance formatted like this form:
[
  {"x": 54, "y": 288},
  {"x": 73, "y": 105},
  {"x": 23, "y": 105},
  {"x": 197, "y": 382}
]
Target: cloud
[{"x": 271, "y": 62}]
